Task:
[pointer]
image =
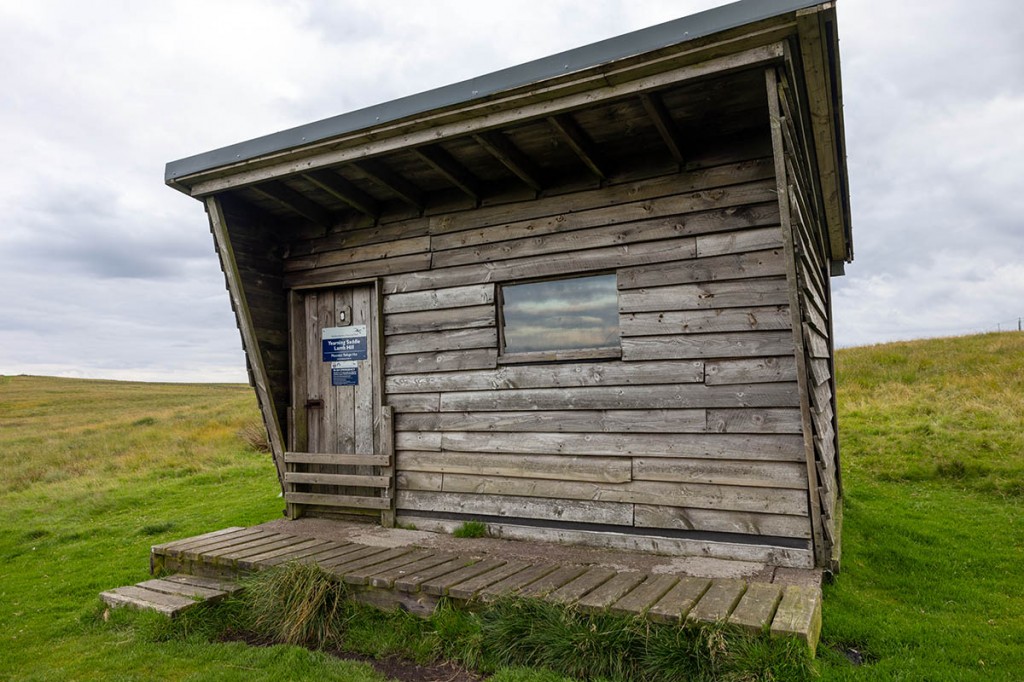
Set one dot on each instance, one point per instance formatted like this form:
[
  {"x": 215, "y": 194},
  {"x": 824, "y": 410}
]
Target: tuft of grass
[
  {"x": 296, "y": 604},
  {"x": 471, "y": 529},
  {"x": 254, "y": 434}
]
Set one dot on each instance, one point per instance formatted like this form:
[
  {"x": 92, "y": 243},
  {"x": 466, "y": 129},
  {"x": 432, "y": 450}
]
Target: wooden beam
[
  {"x": 342, "y": 189},
  {"x": 666, "y": 127},
  {"x": 821, "y": 552},
  {"x": 250, "y": 343},
  {"x": 819, "y": 100},
  {"x": 473, "y": 117},
  {"x": 445, "y": 164},
  {"x": 284, "y": 195},
  {"x": 406, "y": 191},
  {"x": 580, "y": 143},
  {"x": 511, "y": 157}
]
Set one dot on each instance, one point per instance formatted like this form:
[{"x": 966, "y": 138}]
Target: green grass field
[{"x": 92, "y": 473}]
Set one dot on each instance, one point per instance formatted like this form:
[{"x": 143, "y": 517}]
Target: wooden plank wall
[
  {"x": 813, "y": 275},
  {"x": 258, "y": 256},
  {"x": 695, "y": 431}
]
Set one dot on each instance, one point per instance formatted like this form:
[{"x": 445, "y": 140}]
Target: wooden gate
[{"x": 340, "y": 457}]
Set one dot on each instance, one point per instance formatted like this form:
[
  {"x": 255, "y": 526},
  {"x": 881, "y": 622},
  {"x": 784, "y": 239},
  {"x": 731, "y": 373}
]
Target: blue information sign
[
  {"x": 343, "y": 343},
  {"x": 344, "y": 374}
]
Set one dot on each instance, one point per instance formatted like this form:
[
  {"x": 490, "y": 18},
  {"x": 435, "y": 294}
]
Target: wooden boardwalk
[{"x": 415, "y": 579}]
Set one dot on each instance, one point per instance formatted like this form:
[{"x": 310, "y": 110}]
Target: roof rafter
[
  {"x": 445, "y": 164},
  {"x": 342, "y": 189},
  {"x": 281, "y": 193},
  {"x": 406, "y": 191},
  {"x": 580, "y": 143},
  {"x": 662, "y": 120},
  {"x": 501, "y": 148}
]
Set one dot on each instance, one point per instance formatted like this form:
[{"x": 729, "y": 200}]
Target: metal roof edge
[{"x": 631, "y": 44}]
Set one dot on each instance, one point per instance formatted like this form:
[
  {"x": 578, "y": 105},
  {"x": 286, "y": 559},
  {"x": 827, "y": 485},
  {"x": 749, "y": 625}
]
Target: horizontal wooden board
[
  {"x": 551, "y": 376},
  {"x": 729, "y": 294},
  {"x": 414, "y": 402},
  {"x": 666, "y": 185},
  {"x": 351, "y": 501},
  {"x": 560, "y": 421},
  {"x": 337, "y": 479},
  {"x": 690, "y": 214},
  {"x": 358, "y": 254},
  {"x": 440, "y": 320},
  {"x": 689, "y": 495},
  {"x": 624, "y": 397},
  {"x": 418, "y": 440},
  {"x": 705, "y": 321},
  {"x": 740, "y": 241},
  {"x": 750, "y": 371},
  {"x": 441, "y": 361},
  {"x": 456, "y": 339},
  {"x": 351, "y": 237},
  {"x": 762, "y": 420},
  {"x": 588, "y": 511},
  {"x": 418, "y": 480},
  {"x": 722, "y": 345},
  {"x": 775, "y": 447},
  {"x": 543, "y": 266},
  {"x": 456, "y": 297},
  {"x": 336, "y": 458},
  {"x": 727, "y": 472},
  {"x": 556, "y": 467},
  {"x": 679, "y": 518},
  {"x": 716, "y": 268},
  {"x": 336, "y": 274}
]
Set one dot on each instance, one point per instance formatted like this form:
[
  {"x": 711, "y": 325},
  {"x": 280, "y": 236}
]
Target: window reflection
[{"x": 563, "y": 314}]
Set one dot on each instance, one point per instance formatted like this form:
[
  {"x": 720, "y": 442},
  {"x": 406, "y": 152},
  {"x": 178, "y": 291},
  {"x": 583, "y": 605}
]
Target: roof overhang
[{"x": 736, "y": 36}]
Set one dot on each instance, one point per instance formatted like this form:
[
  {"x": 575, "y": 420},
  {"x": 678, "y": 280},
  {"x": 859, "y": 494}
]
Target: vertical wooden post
[
  {"x": 789, "y": 239},
  {"x": 387, "y": 447}
]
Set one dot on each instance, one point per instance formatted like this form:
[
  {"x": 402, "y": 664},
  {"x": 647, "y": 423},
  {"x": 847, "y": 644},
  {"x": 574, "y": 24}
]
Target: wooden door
[{"x": 341, "y": 453}]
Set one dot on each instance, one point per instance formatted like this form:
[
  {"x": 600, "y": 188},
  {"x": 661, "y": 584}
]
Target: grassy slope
[{"x": 92, "y": 473}]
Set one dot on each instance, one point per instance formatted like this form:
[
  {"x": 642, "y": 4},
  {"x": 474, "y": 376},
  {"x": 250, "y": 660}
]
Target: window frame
[{"x": 562, "y": 355}]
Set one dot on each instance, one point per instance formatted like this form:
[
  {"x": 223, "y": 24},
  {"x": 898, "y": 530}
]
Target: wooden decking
[{"x": 416, "y": 578}]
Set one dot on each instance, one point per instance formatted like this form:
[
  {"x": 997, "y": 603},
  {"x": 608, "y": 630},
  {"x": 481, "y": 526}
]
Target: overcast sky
[{"x": 105, "y": 272}]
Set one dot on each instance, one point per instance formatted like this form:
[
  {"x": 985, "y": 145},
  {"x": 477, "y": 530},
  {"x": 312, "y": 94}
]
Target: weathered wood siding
[
  {"x": 812, "y": 272},
  {"x": 693, "y": 435}
]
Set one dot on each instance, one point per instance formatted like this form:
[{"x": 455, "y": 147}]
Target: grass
[
  {"x": 92, "y": 473},
  {"x": 471, "y": 529}
]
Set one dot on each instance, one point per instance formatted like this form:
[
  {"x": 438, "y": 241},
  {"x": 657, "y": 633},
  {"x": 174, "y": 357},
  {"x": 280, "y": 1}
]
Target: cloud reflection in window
[{"x": 564, "y": 314}]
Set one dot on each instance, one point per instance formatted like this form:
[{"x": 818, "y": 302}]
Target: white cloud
[{"x": 106, "y": 272}]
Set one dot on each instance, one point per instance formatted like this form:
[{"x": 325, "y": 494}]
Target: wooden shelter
[{"x": 585, "y": 299}]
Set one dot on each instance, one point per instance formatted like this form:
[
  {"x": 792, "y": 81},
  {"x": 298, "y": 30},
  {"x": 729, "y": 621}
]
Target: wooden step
[{"x": 169, "y": 596}]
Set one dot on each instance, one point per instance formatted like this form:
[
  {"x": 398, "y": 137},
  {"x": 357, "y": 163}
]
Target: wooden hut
[{"x": 585, "y": 299}]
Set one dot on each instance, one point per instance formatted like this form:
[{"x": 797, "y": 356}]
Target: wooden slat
[
  {"x": 342, "y": 189},
  {"x": 563, "y": 421},
  {"x": 696, "y": 346},
  {"x": 757, "y": 607},
  {"x": 453, "y": 171},
  {"x": 587, "y": 582},
  {"x": 644, "y": 595},
  {"x": 396, "y": 183},
  {"x": 623, "y": 397},
  {"x": 443, "y": 361},
  {"x": 766, "y": 420},
  {"x": 358, "y": 254},
  {"x": 413, "y": 581},
  {"x": 750, "y": 371},
  {"x": 386, "y": 578},
  {"x": 580, "y": 143},
  {"x": 588, "y": 511},
  {"x": 440, "y": 320},
  {"x": 555, "y": 467},
  {"x": 690, "y": 495},
  {"x": 550, "y": 376},
  {"x": 511, "y": 157},
  {"x": 679, "y": 600},
  {"x": 721, "y": 520},
  {"x": 663, "y": 123},
  {"x": 456, "y": 339},
  {"x": 705, "y": 321},
  {"x": 517, "y": 582},
  {"x": 799, "y": 614},
  {"x": 439, "y": 585},
  {"x": 743, "y": 241},
  {"x": 434, "y": 299},
  {"x": 361, "y": 576},
  {"x": 756, "y": 474},
  {"x": 198, "y": 538},
  {"x": 717, "y": 295},
  {"x": 609, "y": 592},
  {"x": 337, "y": 479},
  {"x": 354, "y": 501},
  {"x": 718, "y": 602},
  {"x": 713, "y": 269},
  {"x": 552, "y": 581},
  {"x": 468, "y": 589},
  {"x": 335, "y": 458}
]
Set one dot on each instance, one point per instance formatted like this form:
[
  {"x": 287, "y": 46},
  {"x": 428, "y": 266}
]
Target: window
[{"x": 560, "y": 319}]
